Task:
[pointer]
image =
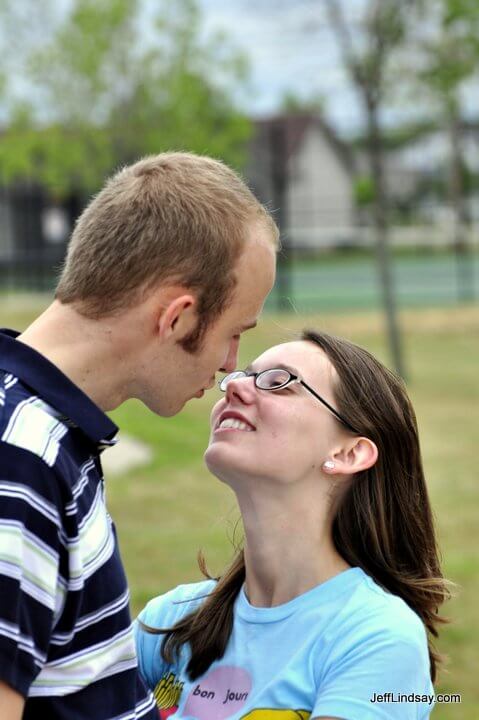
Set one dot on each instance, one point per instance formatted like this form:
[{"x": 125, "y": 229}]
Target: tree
[
  {"x": 112, "y": 85},
  {"x": 449, "y": 59},
  {"x": 366, "y": 52}
]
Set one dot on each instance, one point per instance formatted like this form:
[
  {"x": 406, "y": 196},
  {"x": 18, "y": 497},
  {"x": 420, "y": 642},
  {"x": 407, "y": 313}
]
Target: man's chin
[
  {"x": 171, "y": 409},
  {"x": 163, "y": 410}
]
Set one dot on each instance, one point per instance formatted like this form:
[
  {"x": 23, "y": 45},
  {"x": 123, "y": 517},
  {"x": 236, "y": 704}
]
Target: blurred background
[{"x": 357, "y": 123}]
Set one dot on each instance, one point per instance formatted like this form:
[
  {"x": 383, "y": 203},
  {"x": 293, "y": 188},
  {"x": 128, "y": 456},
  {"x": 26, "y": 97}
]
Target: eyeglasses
[{"x": 277, "y": 379}]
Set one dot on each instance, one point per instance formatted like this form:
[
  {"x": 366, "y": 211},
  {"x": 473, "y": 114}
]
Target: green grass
[{"x": 166, "y": 511}]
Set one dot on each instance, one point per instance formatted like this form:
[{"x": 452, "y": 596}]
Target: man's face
[{"x": 191, "y": 374}]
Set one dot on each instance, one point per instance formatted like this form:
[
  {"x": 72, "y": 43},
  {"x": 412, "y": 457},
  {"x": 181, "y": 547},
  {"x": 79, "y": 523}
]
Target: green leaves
[
  {"x": 450, "y": 54},
  {"x": 111, "y": 84}
]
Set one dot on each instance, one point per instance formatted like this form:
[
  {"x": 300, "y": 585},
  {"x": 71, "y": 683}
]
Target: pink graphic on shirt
[{"x": 222, "y": 693}]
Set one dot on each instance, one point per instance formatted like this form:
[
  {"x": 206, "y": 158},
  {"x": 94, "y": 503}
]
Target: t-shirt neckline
[{"x": 343, "y": 582}]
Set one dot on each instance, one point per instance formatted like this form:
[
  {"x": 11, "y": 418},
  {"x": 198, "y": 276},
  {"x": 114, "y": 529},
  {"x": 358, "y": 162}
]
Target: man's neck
[{"x": 84, "y": 350}]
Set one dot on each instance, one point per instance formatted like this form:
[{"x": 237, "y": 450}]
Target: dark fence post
[{"x": 279, "y": 181}]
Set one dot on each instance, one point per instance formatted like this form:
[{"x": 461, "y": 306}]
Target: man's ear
[
  {"x": 359, "y": 454},
  {"x": 177, "y": 317}
]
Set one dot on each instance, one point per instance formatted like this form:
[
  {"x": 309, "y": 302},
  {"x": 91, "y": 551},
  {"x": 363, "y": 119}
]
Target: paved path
[{"x": 126, "y": 455}]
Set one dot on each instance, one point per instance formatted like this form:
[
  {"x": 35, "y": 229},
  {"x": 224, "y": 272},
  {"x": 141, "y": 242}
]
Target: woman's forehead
[{"x": 301, "y": 356}]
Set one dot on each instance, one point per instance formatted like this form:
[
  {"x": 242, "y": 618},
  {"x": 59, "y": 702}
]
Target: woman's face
[{"x": 287, "y": 434}]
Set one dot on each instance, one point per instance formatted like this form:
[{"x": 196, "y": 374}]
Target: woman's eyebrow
[{"x": 280, "y": 366}]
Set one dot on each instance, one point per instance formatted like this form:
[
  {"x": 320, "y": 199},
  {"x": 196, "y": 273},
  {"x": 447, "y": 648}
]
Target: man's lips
[
  {"x": 234, "y": 415},
  {"x": 201, "y": 392}
]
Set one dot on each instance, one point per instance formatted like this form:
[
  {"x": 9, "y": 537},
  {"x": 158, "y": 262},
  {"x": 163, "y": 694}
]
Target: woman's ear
[{"x": 359, "y": 454}]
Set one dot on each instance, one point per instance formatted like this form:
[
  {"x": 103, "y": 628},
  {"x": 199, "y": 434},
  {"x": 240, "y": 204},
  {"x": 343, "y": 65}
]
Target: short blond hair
[{"x": 177, "y": 216}]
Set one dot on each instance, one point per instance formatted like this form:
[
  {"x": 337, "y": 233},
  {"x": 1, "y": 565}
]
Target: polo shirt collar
[{"x": 51, "y": 385}]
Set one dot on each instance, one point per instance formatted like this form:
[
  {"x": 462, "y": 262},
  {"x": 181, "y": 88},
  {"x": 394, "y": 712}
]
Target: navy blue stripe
[
  {"x": 45, "y": 379},
  {"x": 57, "y": 528}
]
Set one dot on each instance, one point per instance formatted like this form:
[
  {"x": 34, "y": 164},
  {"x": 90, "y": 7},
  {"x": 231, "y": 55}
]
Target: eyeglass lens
[
  {"x": 272, "y": 379},
  {"x": 266, "y": 380}
]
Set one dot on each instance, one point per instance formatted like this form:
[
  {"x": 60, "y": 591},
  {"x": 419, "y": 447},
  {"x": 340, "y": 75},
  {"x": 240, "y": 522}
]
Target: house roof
[{"x": 294, "y": 127}]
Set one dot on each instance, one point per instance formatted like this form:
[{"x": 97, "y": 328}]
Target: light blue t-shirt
[{"x": 345, "y": 649}]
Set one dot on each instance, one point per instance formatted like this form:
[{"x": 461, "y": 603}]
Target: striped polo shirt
[{"x": 66, "y": 640}]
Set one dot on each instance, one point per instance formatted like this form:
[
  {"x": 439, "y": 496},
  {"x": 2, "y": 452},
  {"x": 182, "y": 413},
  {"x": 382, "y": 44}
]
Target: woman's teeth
[{"x": 235, "y": 424}]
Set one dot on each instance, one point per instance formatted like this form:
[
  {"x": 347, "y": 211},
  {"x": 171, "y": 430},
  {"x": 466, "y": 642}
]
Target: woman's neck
[{"x": 288, "y": 548}]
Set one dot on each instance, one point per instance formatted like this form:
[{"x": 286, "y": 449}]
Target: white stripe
[
  {"x": 24, "y": 642},
  {"x": 38, "y": 567},
  {"x": 69, "y": 674},
  {"x": 9, "y": 380},
  {"x": 84, "y": 478},
  {"x": 43, "y": 547},
  {"x": 71, "y": 508},
  {"x": 92, "y": 618},
  {"x": 140, "y": 710},
  {"x": 122, "y": 639},
  {"x": 29, "y": 496},
  {"x": 16, "y": 412},
  {"x": 102, "y": 558},
  {"x": 15, "y": 572},
  {"x": 33, "y": 428},
  {"x": 94, "y": 545},
  {"x": 97, "y": 542},
  {"x": 58, "y": 431},
  {"x": 53, "y": 444},
  {"x": 92, "y": 510},
  {"x": 60, "y": 599}
]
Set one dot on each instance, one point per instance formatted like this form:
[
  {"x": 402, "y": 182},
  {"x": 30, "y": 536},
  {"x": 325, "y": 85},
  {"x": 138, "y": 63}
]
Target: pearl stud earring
[{"x": 329, "y": 465}]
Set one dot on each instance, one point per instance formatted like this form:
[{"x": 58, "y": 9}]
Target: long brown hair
[{"x": 383, "y": 524}]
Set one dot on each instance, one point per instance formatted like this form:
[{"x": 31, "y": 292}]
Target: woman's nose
[{"x": 242, "y": 388}]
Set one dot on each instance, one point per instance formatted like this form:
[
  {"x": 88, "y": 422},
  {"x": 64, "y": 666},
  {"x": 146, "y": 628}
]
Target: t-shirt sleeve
[
  {"x": 30, "y": 528},
  {"x": 165, "y": 611},
  {"x": 365, "y": 682},
  {"x": 148, "y": 645}
]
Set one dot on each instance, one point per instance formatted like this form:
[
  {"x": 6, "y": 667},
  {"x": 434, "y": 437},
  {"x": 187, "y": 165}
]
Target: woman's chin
[
  {"x": 216, "y": 458},
  {"x": 221, "y": 462}
]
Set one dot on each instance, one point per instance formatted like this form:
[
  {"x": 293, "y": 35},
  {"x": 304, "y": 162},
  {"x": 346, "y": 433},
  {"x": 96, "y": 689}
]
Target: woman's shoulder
[
  {"x": 167, "y": 609},
  {"x": 373, "y": 609}
]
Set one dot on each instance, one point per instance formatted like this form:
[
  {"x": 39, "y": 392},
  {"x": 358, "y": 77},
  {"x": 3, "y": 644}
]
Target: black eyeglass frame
[{"x": 291, "y": 379}]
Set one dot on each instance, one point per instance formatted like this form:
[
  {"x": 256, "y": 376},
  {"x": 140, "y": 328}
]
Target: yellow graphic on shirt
[
  {"x": 168, "y": 692},
  {"x": 274, "y": 714}
]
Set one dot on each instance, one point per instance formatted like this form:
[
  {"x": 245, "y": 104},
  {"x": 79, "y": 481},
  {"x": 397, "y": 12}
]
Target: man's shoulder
[{"x": 27, "y": 422}]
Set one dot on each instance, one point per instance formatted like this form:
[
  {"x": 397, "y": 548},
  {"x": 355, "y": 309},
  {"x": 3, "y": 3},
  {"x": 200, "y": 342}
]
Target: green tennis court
[{"x": 349, "y": 284}]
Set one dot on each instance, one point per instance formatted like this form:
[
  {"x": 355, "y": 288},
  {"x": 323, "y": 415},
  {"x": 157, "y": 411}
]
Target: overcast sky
[{"x": 289, "y": 49}]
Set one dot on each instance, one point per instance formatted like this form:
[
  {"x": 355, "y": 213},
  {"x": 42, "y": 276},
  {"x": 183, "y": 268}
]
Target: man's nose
[{"x": 231, "y": 360}]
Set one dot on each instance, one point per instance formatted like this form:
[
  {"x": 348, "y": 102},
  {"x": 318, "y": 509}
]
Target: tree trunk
[
  {"x": 280, "y": 181},
  {"x": 380, "y": 220},
  {"x": 464, "y": 264}
]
